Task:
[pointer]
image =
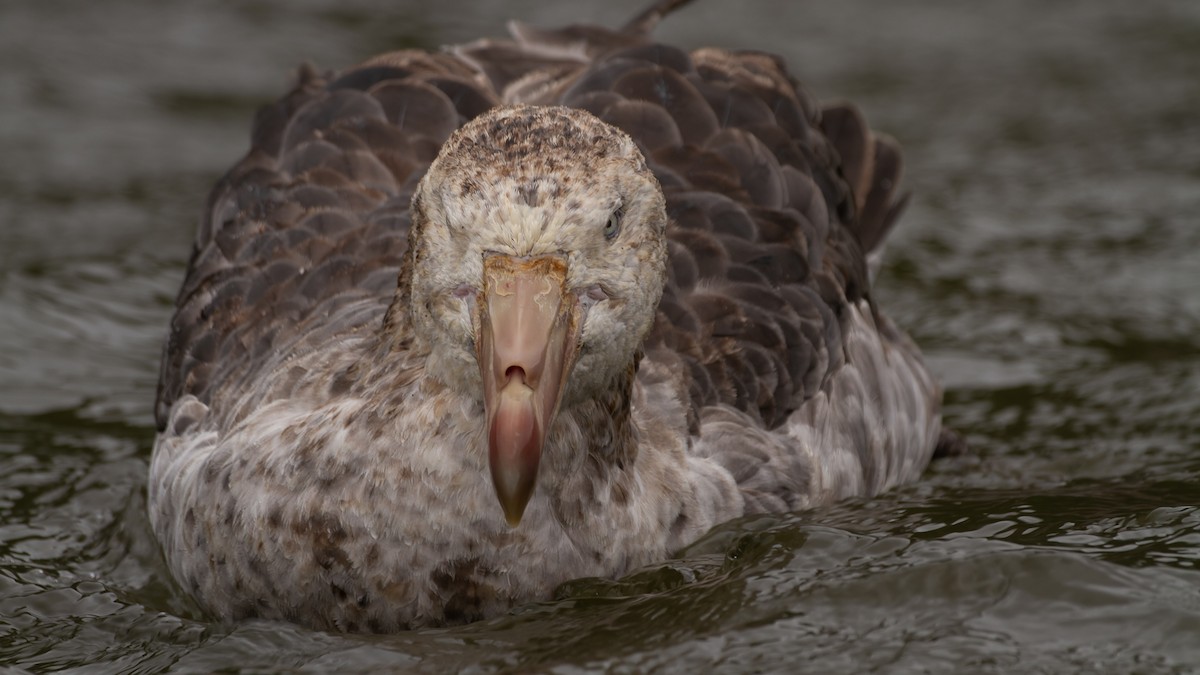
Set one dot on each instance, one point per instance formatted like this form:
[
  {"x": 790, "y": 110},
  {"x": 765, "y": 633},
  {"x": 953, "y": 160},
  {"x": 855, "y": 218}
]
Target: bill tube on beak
[{"x": 526, "y": 346}]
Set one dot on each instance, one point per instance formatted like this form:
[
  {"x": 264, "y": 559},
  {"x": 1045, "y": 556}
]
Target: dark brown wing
[
  {"x": 770, "y": 232},
  {"x": 302, "y": 240}
]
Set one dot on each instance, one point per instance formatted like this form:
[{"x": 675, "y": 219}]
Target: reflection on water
[{"x": 1047, "y": 264}]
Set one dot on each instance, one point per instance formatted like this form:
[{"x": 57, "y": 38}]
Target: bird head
[{"x": 537, "y": 261}]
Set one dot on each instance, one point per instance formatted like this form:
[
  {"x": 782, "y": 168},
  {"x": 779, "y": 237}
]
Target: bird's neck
[
  {"x": 591, "y": 463},
  {"x": 605, "y": 422}
]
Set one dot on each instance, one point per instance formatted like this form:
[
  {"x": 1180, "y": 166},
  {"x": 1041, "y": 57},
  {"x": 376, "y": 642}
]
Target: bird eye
[{"x": 613, "y": 226}]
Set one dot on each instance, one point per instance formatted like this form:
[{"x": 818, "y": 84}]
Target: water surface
[{"x": 1049, "y": 266}]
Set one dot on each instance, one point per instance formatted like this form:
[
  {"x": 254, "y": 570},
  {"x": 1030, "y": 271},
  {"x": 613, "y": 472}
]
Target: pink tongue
[{"x": 514, "y": 449}]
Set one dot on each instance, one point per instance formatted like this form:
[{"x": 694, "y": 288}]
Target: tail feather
[
  {"x": 881, "y": 205},
  {"x": 871, "y": 164},
  {"x": 645, "y": 22}
]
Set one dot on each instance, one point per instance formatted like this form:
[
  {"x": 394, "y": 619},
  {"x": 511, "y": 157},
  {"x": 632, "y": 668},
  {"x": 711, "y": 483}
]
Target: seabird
[{"x": 464, "y": 325}]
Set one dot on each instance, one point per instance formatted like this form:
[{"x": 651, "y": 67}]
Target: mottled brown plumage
[{"x": 305, "y": 395}]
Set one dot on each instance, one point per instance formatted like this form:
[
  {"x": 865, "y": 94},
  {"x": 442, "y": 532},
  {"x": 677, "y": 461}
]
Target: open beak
[{"x": 528, "y": 340}]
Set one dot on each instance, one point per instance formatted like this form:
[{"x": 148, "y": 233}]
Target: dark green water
[{"x": 1049, "y": 265}]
